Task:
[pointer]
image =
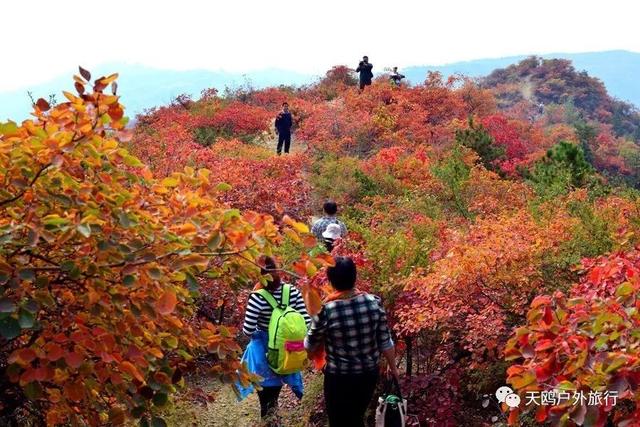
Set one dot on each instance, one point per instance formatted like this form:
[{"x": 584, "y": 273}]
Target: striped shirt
[{"x": 259, "y": 311}]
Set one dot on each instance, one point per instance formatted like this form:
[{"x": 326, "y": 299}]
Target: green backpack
[{"x": 287, "y": 329}]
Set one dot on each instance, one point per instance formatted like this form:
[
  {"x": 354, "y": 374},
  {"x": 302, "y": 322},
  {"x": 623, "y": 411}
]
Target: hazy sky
[{"x": 44, "y": 39}]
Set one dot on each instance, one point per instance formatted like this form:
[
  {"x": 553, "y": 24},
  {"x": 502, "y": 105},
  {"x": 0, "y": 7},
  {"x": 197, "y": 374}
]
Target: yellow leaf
[{"x": 170, "y": 182}]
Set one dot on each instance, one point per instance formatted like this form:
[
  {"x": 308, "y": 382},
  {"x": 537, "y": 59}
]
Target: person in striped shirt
[{"x": 256, "y": 325}]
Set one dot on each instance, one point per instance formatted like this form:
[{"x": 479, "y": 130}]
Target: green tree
[
  {"x": 478, "y": 139},
  {"x": 564, "y": 167}
]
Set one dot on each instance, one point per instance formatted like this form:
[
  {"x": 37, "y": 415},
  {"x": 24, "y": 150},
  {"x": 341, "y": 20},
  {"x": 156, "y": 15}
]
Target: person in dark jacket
[
  {"x": 284, "y": 121},
  {"x": 364, "y": 68}
]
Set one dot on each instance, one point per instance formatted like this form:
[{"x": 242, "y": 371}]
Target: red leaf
[
  {"x": 85, "y": 74},
  {"x": 79, "y": 88},
  {"x": 42, "y": 105},
  {"x": 74, "y": 359},
  {"x": 54, "y": 352}
]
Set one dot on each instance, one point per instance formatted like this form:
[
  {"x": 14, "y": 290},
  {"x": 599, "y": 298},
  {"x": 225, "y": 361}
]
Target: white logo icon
[
  {"x": 513, "y": 400},
  {"x": 502, "y": 393},
  {"x": 506, "y": 395}
]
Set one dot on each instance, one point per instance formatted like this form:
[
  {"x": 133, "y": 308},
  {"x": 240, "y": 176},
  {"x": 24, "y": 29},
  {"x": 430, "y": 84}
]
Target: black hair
[
  {"x": 343, "y": 274},
  {"x": 285, "y": 103},
  {"x": 270, "y": 268},
  {"x": 330, "y": 207}
]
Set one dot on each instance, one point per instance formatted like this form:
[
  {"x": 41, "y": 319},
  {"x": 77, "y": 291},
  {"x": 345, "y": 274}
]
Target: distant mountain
[
  {"x": 143, "y": 87},
  {"x": 618, "y": 70}
]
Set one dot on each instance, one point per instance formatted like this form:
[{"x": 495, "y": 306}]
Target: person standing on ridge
[
  {"x": 330, "y": 209},
  {"x": 396, "y": 77},
  {"x": 283, "y": 123},
  {"x": 364, "y": 68}
]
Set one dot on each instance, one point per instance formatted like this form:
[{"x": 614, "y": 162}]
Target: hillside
[
  {"x": 145, "y": 87},
  {"x": 501, "y": 236},
  {"x": 617, "y": 69}
]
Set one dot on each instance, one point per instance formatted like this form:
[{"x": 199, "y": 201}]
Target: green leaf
[
  {"x": 155, "y": 273},
  {"x": 26, "y": 319},
  {"x": 67, "y": 266},
  {"x": 192, "y": 282},
  {"x": 54, "y": 220},
  {"x": 84, "y": 229},
  {"x": 138, "y": 411},
  {"x": 7, "y": 306},
  {"x": 158, "y": 422},
  {"x": 160, "y": 399},
  {"x": 33, "y": 390},
  {"x": 615, "y": 364},
  {"x": 624, "y": 289},
  {"x": 231, "y": 213},
  {"x": 171, "y": 342},
  {"x": 124, "y": 219},
  {"x": 27, "y": 274},
  {"x": 10, "y": 328},
  {"x": 223, "y": 186},
  {"x": 144, "y": 422},
  {"x": 132, "y": 161},
  {"x": 214, "y": 242},
  {"x": 129, "y": 280},
  {"x": 9, "y": 128}
]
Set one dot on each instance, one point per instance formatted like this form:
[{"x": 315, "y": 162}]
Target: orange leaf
[
  {"x": 127, "y": 367},
  {"x": 54, "y": 352},
  {"x": 167, "y": 303},
  {"x": 74, "y": 391},
  {"x": 312, "y": 300},
  {"x": 26, "y": 355}
]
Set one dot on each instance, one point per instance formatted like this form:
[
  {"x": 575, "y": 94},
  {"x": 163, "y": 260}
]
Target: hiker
[
  {"x": 256, "y": 325},
  {"x": 364, "y": 68},
  {"x": 352, "y": 326},
  {"x": 330, "y": 209},
  {"x": 396, "y": 77},
  {"x": 284, "y": 121},
  {"x": 330, "y": 235}
]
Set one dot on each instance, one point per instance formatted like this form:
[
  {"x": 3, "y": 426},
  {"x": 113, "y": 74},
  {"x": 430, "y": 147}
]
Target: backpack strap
[
  {"x": 286, "y": 294},
  {"x": 268, "y": 297}
]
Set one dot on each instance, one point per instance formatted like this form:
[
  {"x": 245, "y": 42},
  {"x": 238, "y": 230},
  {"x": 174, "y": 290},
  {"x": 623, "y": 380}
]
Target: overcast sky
[{"x": 40, "y": 40}]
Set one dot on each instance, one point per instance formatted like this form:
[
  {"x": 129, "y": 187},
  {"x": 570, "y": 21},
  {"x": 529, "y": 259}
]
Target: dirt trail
[{"x": 226, "y": 411}]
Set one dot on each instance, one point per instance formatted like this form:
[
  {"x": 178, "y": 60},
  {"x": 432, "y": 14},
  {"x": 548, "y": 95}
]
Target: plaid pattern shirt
[
  {"x": 354, "y": 331},
  {"x": 321, "y": 225}
]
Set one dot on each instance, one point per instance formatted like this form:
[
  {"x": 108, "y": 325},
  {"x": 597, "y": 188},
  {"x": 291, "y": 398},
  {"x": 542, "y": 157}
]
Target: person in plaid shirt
[
  {"x": 353, "y": 327},
  {"x": 330, "y": 209}
]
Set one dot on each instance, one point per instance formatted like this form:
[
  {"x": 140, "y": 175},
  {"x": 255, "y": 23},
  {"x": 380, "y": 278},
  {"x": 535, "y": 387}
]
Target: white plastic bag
[{"x": 391, "y": 411}]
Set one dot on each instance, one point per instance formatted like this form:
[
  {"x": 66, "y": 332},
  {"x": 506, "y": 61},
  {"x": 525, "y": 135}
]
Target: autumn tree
[{"x": 100, "y": 265}]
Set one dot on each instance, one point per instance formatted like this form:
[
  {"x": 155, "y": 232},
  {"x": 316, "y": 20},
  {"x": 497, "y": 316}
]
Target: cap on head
[{"x": 333, "y": 231}]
